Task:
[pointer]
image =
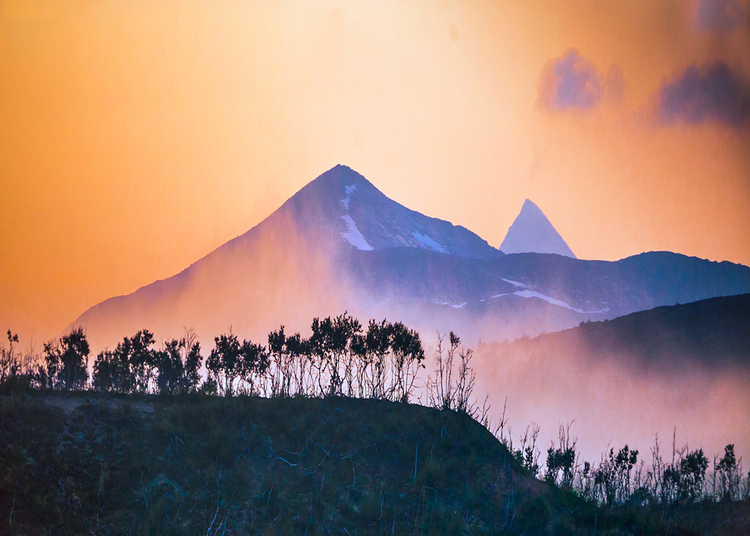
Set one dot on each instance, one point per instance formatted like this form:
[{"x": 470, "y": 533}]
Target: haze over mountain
[
  {"x": 532, "y": 232},
  {"x": 681, "y": 367},
  {"x": 341, "y": 244}
]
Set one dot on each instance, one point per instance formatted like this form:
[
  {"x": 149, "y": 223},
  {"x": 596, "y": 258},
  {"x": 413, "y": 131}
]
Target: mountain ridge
[{"x": 301, "y": 262}]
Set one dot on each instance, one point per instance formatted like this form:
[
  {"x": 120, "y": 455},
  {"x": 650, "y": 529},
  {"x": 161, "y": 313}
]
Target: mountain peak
[
  {"x": 532, "y": 232},
  {"x": 339, "y": 174},
  {"x": 344, "y": 204}
]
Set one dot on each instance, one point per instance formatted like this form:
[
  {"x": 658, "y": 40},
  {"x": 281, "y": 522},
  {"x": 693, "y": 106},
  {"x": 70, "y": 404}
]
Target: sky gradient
[{"x": 136, "y": 137}]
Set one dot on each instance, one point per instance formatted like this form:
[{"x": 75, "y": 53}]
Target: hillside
[
  {"x": 147, "y": 465},
  {"x": 252, "y": 465},
  {"x": 713, "y": 334}
]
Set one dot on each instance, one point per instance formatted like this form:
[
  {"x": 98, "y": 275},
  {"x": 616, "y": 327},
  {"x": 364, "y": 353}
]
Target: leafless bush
[{"x": 442, "y": 391}]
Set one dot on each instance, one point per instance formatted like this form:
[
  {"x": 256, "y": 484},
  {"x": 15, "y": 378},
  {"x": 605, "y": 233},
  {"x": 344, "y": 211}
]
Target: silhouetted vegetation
[
  {"x": 66, "y": 362},
  {"x": 143, "y": 446}
]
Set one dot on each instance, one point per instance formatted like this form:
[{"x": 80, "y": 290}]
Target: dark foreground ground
[{"x": 79, "y": 464}]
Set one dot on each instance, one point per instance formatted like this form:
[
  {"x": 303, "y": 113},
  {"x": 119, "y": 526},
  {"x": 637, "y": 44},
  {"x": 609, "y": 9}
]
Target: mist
[
  {"x": 614, "y": 399},
  {"x": 273, "y": 275}
]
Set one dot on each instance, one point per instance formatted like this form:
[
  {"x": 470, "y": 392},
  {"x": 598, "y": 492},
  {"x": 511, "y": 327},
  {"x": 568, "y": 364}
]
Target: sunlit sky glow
[{"x": 136, "y": 137}]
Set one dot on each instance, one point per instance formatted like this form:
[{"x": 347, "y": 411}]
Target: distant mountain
[
  {"x": 532, "y": 293},
  {"x": 532, "y": 232},
  {"x": 340, "y": 244}
]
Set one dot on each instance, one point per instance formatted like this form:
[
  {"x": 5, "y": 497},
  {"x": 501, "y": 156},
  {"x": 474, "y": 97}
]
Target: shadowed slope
[
  {"x": 285, "y": 466},
  {"x": 531, "y": 293},
  {"x": 712, "y": 334}
]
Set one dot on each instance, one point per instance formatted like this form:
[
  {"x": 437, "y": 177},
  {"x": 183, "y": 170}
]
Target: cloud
[
  {"x": 721, "y": 15},
  {"x": 572, "y": 82},
  {"x": 709, "y": 93}
]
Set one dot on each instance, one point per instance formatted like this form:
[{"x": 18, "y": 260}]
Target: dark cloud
[
  {"x": 573, "y": 82},
  {"x": 722, "y": 15},
  {"x": 707, "y": 93}
]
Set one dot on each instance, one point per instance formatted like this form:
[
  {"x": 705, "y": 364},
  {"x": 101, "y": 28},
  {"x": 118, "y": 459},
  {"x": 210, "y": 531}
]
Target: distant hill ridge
[{"x": 712, "y": 333}]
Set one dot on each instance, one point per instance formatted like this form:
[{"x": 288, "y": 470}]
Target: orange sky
[{"x": 135, "y": 137}]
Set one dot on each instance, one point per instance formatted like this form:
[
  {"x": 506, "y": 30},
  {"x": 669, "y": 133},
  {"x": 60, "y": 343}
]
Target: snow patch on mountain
[
  {"x": 515, "y": 283},
  {"x": 349, "y": 191},
  {"x": 353, "y": 236},
  {"x": 449, "y": 304},
  {"x": 386, "y": 224},
  {"x": 553, "y": 301},
  {"x": 428, "y": 242}
]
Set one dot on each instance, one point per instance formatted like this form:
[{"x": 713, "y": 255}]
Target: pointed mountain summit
[
  {"x": 289, "y": 267},
  {"x": 532, "y": 232},
  {"x": 344, "y": 205}
]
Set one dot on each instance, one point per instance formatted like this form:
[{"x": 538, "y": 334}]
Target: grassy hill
[{"x": 138, "y": 464}]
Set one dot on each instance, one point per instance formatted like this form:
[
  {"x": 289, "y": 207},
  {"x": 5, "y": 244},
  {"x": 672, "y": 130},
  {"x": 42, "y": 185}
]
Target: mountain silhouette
[
  {"x": 341, "y": 244},
  {"x": 532, "y": 232}
]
